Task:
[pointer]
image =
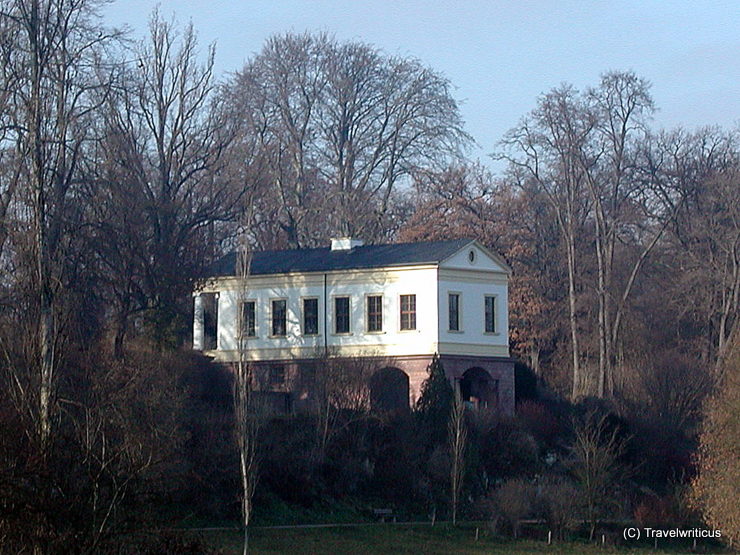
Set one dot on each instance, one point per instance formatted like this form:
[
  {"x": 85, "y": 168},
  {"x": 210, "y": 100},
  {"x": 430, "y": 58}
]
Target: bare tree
[
  {"x": 671, "y": 389},
  {"x": 10, "y": 133},
  {"x": 381, "y": 120},
  {"x": 458, "y": 441},
  {"x": 595, "y": 464},
  {"x": 619, "y": 105},
  {"x": 342, "y": 394},
  {"x": 341, "y": 125},
  {"x": 246, "y": 409},
  {"x": 162, "y": 190},
  {"x": 556, "y": 499},
  {"x": 128, "y": 429},
  {"x": 277, "y": 94},
  {"x": 584, "y": 151},
  {"x": 551, "y": 148},
  {"x": 56, "y": 45},
  {"x": 703, "y": 170}
]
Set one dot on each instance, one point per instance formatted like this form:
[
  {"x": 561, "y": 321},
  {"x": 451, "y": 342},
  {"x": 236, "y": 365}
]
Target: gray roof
[{"x": 327, "y": 260}]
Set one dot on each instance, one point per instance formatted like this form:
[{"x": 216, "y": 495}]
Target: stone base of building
[
  {"x": 485, "y": 382},
  {"x": 387, "y": 383}
]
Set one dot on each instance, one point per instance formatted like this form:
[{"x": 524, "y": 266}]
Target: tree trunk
[
  {"x": 46, "y": 352},
  {"x": 534, "y": 359},
  {"x": 601, "y": 291},
  {"x": 458, "y": 443},
  {"x": 729, "y": 308},
  {"x": 577, "y": 380},
  {"x": 120, "y": 337},
  {"x": 247, "y": 497},
  {"x": 41, "y": 243}
]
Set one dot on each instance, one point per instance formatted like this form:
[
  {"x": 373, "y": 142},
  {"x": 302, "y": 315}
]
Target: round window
[{"x": 471, "y": 256}]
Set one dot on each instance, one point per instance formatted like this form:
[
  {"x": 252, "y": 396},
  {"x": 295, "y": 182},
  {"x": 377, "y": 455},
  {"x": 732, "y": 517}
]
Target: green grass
[
  {"x": 274, "y": 512},
  {"x": 398, "y": 539}
]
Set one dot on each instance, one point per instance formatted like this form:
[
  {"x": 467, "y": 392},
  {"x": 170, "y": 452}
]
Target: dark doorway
[
  {"x": 478, "y": 389},
  {"x": 210, "y": 321}
]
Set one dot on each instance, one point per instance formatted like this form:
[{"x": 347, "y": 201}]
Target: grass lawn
[{"x": 417, "y": 539}]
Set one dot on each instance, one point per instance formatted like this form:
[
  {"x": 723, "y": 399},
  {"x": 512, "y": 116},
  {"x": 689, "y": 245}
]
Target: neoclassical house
[{"x": 393, "y": 307}]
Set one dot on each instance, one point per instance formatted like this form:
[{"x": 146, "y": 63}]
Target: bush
[
  {"x": 655, "y": 512},
  {"x": 667, "y": 511},
  {"x": 539, "y": 421},
  {"x": 395, "y": 458},
  {"x": 172, "y": 543},
  {"x": 556, "y": 502},
  {"x": 596, "y": 465},
  {"x": 717, "y": 487},
  {"x": 437, "y": 467},
  {"x": 507, "y": 450},
  {"x": 115, "y": 462},
  {"x": 511, "y": 502},
  {"x": 525, "y": 383},
  {"x": 287, "y": 467}
]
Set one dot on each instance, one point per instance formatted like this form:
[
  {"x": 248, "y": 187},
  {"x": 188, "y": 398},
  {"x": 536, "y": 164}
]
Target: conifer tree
[{"x": 435, "y": 403}]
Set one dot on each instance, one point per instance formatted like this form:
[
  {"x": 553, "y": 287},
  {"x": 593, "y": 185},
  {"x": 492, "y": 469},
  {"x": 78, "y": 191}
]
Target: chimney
[{"x": 345, "y": 243}]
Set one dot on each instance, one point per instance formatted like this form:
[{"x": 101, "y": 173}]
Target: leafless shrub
[
  {"x": 595, "y": 465},
  {"x": 557, "y": 502},
  {"x": 511, "y": 502}
]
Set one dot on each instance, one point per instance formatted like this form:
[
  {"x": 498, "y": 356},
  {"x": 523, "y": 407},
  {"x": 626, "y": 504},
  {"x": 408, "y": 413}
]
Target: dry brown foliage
[{"x": 717, "y": 487}]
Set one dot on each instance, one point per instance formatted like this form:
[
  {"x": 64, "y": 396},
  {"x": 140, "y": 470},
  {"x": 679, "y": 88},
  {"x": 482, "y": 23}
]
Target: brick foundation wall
[{"x": 499, "y": 369}]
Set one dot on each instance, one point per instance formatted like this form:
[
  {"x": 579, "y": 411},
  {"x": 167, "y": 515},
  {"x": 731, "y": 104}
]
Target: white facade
[{"x": 472, "y": 273}]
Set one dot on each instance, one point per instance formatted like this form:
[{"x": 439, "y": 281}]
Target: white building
[{"x": 395, "y": 306}]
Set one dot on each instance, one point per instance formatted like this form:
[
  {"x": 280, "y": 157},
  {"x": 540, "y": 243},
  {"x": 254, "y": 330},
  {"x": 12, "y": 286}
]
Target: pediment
[{"x": 475, "y": 256}]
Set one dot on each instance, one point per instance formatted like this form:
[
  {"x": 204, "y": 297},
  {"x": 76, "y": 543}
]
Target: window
[
  {"x": 279, "y": 317},
  {"x": 454, "y": 307},
  {"x": 374, "y": 313},
  {"x": 249, "y": 319},
  {"x": 408, "y": 312},
  {"x": 310, "y": 316},
  {"x": 490, "y": 314},
  {"x": 276, "y": 374},
  {"x": 341, "y": 314}
]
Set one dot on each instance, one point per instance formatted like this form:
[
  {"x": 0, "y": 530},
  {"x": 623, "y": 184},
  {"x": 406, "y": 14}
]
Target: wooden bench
[{"x": 384, "y": 515}]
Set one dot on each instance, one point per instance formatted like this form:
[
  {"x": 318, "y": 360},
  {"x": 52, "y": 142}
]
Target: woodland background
[{"x": 127, "y": 168}]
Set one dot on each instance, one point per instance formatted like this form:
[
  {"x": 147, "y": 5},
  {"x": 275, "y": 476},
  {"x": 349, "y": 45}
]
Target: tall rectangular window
[
  {"x": 341, "y": 314},
  {"x": 279, "y": 317},
  {"x": 454, "y": 309},
  {"x": 408, "y": 312},
  {"x": 310, "y": 316},
  {"x": 374, "y": 313},
  {"x": 249, "y": 319},
  {"x": 490, "y": 314}
]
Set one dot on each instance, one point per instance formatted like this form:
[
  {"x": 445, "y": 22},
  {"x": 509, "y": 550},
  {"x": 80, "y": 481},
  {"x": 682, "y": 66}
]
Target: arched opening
[
  {"x": 389, "y": 390},
  {"x": 478, "y": 389}
]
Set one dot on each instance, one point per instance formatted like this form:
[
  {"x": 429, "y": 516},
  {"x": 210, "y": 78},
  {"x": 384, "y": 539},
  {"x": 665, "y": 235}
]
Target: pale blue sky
[{"x": 501, "y": 55}]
